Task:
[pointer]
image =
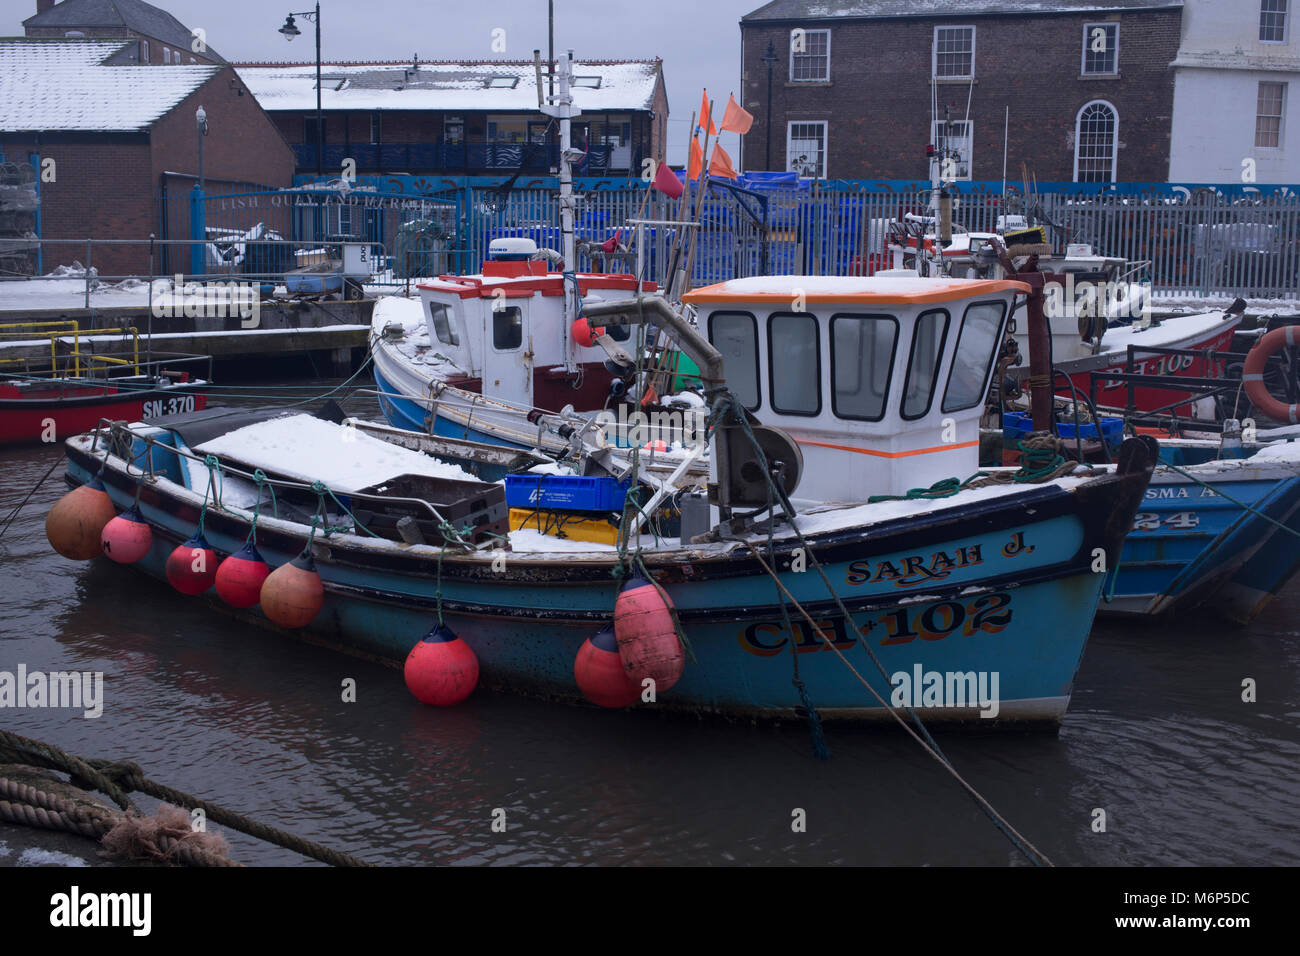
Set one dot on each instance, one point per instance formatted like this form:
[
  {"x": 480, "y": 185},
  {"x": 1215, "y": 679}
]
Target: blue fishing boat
[{"x": 820, "y": 580}]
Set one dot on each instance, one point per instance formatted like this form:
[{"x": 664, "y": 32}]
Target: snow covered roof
[
  {"x": 869, "y": 9},
  {"x": 135, "y": 15},
  {"x": 64, "y": 85},
  {"x": 447, "y": 85}
]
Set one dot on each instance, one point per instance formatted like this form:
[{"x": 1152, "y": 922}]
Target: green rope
[
  {"x": 213, "y": 464},
  {"x": 438, "y": 594},
  {"x": 259, "y": 476},
  {"x": 1037, "y": 462},
  {"x": 322, "y": 490}
]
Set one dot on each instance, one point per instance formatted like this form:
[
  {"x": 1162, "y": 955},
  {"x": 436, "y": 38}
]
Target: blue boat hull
[
  {"x": 402, "y": 412},
  {"x": 999, "y": 587}
]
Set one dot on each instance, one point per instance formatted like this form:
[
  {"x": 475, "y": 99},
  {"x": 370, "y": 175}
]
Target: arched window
[{"x": 1096, "y": 143}]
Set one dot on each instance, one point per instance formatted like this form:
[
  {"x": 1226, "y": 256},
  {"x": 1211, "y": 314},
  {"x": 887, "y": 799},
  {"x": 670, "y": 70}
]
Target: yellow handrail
[{"x": 61, "y": 328}]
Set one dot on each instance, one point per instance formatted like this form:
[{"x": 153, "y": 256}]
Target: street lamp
[
  {"x": 289, "y": 31},
  {"x": 770, "y": 59},
  {"x": 201, "y": 120}
]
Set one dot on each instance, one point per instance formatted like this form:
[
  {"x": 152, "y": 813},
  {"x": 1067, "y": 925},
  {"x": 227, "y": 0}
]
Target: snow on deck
[{"x": 310, "y": 449}]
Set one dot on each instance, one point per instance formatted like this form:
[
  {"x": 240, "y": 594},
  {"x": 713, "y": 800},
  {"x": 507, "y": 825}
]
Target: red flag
[
  {"x": 666, "y": 182},
  {"x": 736, "y": 119},
  {"x": 706, "y": 116},
  {"x": 720, "y": 165},
  {"x": 696, "y": 165},
  {"x": 611, "y": 244}
]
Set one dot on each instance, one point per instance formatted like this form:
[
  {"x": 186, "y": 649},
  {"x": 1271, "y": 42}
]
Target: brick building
[
  {"x": 463, "y": 117},
  {"x": 856, "y": 87},
  {"x": 157, "y": 36},
  {"x": 118, "y": 135}
]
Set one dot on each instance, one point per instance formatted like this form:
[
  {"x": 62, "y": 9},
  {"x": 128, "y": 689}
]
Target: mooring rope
[{"x": 118, "y": 778}]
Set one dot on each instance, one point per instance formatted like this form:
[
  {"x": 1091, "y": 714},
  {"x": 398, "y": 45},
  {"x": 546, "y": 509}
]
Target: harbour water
[{"x": 1158, "y": 737}]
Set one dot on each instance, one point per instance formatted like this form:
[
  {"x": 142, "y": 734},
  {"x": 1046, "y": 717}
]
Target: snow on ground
[
  {"x": 310, "y": 449},
  {"x": 1195, "y": 303}
]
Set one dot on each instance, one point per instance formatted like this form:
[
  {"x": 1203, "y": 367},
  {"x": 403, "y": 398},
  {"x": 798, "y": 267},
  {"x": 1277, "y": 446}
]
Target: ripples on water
[{"x": 1157, "y": 735}]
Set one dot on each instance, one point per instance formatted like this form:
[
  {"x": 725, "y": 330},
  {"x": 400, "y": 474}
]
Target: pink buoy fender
[
  {"x": 241, "y": 576},
  {"x": 127, "y": 538},
  {"x": 647, "y": 635}
]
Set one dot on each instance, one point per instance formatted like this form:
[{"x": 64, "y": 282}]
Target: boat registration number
[
  {"x": 174, "y": 405},
  {"x": 1180, "y": 520},
  {"x": 988, "y": 613}
]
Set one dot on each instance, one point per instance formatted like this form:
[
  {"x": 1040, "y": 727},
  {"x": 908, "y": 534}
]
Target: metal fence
[{"x": 1196, "y": 243}]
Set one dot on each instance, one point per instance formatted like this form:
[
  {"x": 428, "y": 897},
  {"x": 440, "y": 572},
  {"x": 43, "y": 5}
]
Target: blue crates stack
[
  {"x": 566, "y": 492},
  {"x": 1016, "y": 425}
]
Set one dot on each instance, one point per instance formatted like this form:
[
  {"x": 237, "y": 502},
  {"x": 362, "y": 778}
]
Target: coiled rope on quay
[{"x": 126, "y": 832}]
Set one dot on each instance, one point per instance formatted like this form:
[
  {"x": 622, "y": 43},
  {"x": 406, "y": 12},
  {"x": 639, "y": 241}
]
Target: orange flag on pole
[
  {"x": 707, "y": 114},
  {"x": 736, "y": 119},
  {"x": 696, "y": 165},
  {"x": 720, "y": 165}
]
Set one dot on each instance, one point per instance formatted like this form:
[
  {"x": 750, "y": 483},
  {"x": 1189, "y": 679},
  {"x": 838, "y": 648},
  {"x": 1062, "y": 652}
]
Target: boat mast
[{"x": 561, "y": 107}]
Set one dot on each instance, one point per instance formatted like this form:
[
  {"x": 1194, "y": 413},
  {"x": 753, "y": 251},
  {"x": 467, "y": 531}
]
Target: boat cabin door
[{"x": 508, "y": 352}]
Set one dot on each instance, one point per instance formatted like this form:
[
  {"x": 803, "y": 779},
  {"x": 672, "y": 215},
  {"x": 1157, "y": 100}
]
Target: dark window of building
[
  {"x": 954, "y": 52},
  {"x": 810, "y": 55},
  {"x": 1096, "y": 141},
  {"x": 806, "y": 149},
  {"x": 1272, "y": 21},
  {"x": 1101, "y": 49},
  {"x": 1268, "y": 115},
  {"x": 376, "y": 127}
]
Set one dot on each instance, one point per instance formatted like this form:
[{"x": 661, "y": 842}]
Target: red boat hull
[
  {"x": 58, "y": 412},
  {"x": 1115, "y": 393}
]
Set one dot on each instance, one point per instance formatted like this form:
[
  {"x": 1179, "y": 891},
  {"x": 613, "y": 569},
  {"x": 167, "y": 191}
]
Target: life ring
[{"x": 1253, "y": 374}]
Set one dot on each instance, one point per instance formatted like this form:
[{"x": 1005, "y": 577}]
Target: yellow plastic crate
[{"x": 564, "y": 524}]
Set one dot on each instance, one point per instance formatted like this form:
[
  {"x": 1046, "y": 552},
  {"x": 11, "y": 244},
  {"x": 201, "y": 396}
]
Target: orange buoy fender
[
  {"x": 1252, "y": 374},
  {"x": 75, "y": 525},
  {"x": 292, "y": 594},
  {"x": 598, "y": 669},
  {"x": 647, "y": 639},
  {"x": 240, "y": 577},
  {"x": 127, "y": 538},
  {"x": 583, "y": 333},
  {"x": 441, "y": 670},
  {"x": 192, "y": 566}
]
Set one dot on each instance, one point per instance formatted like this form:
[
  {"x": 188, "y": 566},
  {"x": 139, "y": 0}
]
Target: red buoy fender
[
  {"x": 647, "y": 637},
  {"x": 598, "y": 669},
  {"x": 75, "y": 525},
  {"x": 241, "y": 576},
  {"x": 1253, "y": 374},
  {"x": 441, "y": 670},
  {"x": 127, "y": 538},
  {"x": 192, "y": 566},
  {"x": 583, "y": 333},
  {"x": 292, "y": 595}
]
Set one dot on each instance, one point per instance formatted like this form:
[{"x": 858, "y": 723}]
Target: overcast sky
[{"x": 699, "y": 40}]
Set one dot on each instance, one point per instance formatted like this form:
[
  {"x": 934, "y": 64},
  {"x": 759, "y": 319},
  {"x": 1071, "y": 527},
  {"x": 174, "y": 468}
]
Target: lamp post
[
  {"x": 770, "y": 59},
  {"x": 201, "y": 120},
  {"x": 290, "y": 30}
]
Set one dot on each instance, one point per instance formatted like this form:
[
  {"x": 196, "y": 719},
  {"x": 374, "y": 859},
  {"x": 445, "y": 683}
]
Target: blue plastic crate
[
  {"x": 565, "y": 492},
  {"x": 1016, "y": 425}
]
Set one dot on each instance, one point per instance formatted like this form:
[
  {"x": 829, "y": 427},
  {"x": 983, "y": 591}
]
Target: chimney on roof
[{"x": 43, "y": 5}]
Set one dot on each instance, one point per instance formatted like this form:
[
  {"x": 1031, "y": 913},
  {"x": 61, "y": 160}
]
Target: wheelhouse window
[
  {"x": 923, "y": 365},
  {"x": 1272, "y": 21},
  {"x": 507, "y": 328},
  {"x": 443, "y": 329},
  {"x": 806, "y": 149},
  {"x": 1268, "y": 115},
  {"x": 1096, "y": 142},
  {"x": 810, "y": 56},
  {"x": 1101, "y": 49},
  {"x": 954, "y": 53},
  {"x": 862, "y": 357},
  {"x": 978, "y": 344},
  {"x": 735, "y": 335},
  {"x": 794, "y": 363}
]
